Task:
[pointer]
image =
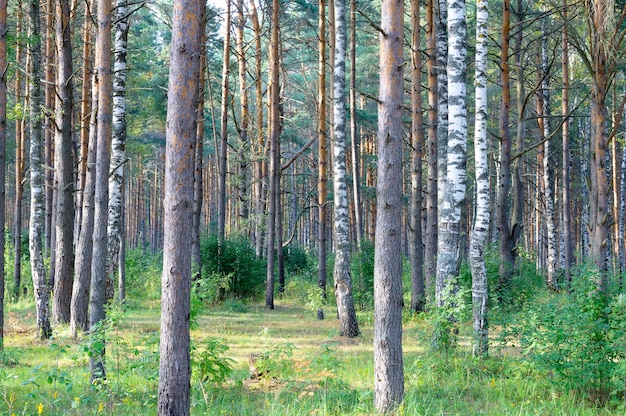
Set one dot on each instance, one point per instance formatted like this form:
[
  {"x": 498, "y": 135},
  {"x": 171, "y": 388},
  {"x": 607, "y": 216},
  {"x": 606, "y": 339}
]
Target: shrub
[
  {"x": 363, "y": 276},
  {"x": 580, "y": 337},
  {"x": 296, "y": 259},
  {"x": 230, "y": 272}
]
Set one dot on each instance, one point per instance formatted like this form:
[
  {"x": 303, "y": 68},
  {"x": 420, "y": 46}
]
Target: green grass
[{"x": 310, "y": 369}]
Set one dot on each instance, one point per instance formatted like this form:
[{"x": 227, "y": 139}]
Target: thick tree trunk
[
  {"x": 174, "y": 363},
  {"x": 341, "y": 223},
  {"x": 79, "y": 319},
  {"x": 37, "y": 186},
  {"x": 418, "y": 295},
  {"x": 64, "y": 170},
  {"x": 480, "y": 230},
  {"x": 388, "y": 361},
  {"x": 97, "y": 291},
  {"x": 118, "y": 142}
]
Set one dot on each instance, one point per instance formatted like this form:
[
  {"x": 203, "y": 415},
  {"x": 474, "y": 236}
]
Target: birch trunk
[
  {"x": 37, "y": 186},
  {"x": 341, "y": 223},
  {"x": 64, "y": 170},
  {"x": 118, "y": 142},
  {"x": 174, "y": 361},
  {"x": 388, "y": 360},
  {"x": 418, "y": 295},
  {"x": 453, "y": 195},
  {"x": 97, "y": 291},
  {"x": 480, "y": 229}
]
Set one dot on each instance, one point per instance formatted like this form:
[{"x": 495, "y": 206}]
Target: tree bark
[
  {"x": 118, "y": 143},
  {"x": 64, "y": 170},
  {"x": 354, "y": 135},
  {"x": 223, "y": 149},
  {"x": 480, "y": 230},
  {"x": 388, "y": 361},
  {"x": 97, "y": 291},
  {"x": 3, "y": 136},
  {"x": 341, "y": 223},
  {"x": 243, "y": 177},
  {"x": 322, "y": 179},
  {"x": 174, "y": 364},
  {"x": 199, "y": 165},
  {"x": 37, "y": 189},
  {"x": 418, "y": 295}
]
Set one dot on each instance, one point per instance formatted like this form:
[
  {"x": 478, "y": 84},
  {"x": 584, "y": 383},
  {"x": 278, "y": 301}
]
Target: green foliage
[
  {"x": 208, "y": 362},
  {"x": 445, "y": 321},
  {"x": 579, "y": 337},
  {"x": 363, "y": 276},
  {"x": 143, "y": 275},
  {"x": 296, "y": 259}
]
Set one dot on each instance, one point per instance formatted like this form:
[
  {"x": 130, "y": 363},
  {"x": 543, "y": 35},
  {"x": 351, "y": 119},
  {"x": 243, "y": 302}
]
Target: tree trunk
[
  {"x": 196, "y": 258},
  {"x": 341, "y": 223},
  {"x": 418, "y": 295},
  {"x": 37, "y": 189},
  {"x": 118, "y": 142},
  {"x": 274, "y": 137},
  {"x": 388, "y": 361},
  {"x": 507, "y": 245},
  {"x": 480, "y": 229},
  {"x": 97, "y": 292},
  {"x": 64, "y": 170},
  {"x": 322, "y": 182},
  {"x": 79, "y": 320},
  {"x": 174, "y": 363},
  {"x": 243, "y": 177},
  {"x": 356, "y": 184},
  {"x": 3, "y": 136},
  {"x": 430, "y": 243},
  {"x": 50, "y": 98},
  {"x": 20, "y": 149},
  {"x": 223, "y": 149}
]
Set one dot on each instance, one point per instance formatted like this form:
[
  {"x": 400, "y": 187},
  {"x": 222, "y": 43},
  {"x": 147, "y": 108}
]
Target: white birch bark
[
  {"x": 37, "y": 184},
  {"x": 480, "y": 228},
  {"x": 448, "y": 246},
  {"x": 441, "y": 22},
  {"x": 341, "y": 221},
  {"x": 118, "y": 141}
]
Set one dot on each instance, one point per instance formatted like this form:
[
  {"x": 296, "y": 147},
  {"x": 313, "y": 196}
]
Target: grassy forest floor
[
  {"x": 303, "y": 368},
  {"x": 247, "y": 360}
]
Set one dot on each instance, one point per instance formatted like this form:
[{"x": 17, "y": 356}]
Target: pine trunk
[
  {"x": 223, "y": 148},
  {"x": 3, "y": 136},
  {"x": 388, "y": 360},
  {"x": 322, "y": 181}
]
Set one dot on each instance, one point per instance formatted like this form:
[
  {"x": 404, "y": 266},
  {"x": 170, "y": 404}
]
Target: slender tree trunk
[
  {"x": 322, "y": 182},
  {"x": 243, "y": 177},
  {"x": 174, "y": 363},
  {"x": 223, "y": 149},
  {"x": 430, "y": 243},
  {"x": 517, "y": 216},
  {"x": 37, "y": 189},
  {"x": 19, "y": 145},
  {"x": 3, "y": 136},
  {"x": 79, "y": 318},
  {"x": 97, "y": 292},
  {"x": 354, "y": 135},
  {"x": 199, "y": 165},
  {"x": 64, "y": 170},
  {"x": 274, "y": 137},
  {"x": 418, "y": 295},
  {"x": 388, "y": 361},
  {"x": 50, "y": 98},
  {"x": 118, "y": 142},
  {"x": 341, "y": 223},
  {"x": 507, "y": 245},
  {"x": 480, "y": 229}
]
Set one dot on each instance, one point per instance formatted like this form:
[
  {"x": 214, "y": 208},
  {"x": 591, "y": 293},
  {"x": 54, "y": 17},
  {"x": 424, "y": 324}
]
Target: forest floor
[{"x": 248, "y": 360}]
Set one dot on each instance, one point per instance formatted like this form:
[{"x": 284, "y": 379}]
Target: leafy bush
[
  {"x": 208, "y": 362},
  {"x": 143, "y": 275},
  {"x": 230, "y": 272},
  {"x": 296, "y": 259},
  {"x": 363, "y": 276},
  {"x": 580, "y": 337}
]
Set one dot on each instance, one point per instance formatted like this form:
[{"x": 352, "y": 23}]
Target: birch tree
[
  {"x": 341, "y": 222},
  {"x": 388, "y": 360},
  {"x": 174, "y": 362},
  {"x": 37, "y": 188},
  {"x": 118, "y": 141},
  {"x": 480, "y": 228},
  {"x": 64, "y": 169}
]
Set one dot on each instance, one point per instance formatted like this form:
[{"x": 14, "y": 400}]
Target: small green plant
[
  {"x": 445, "y": 320},
  {"x": 208, "y": 362}
]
